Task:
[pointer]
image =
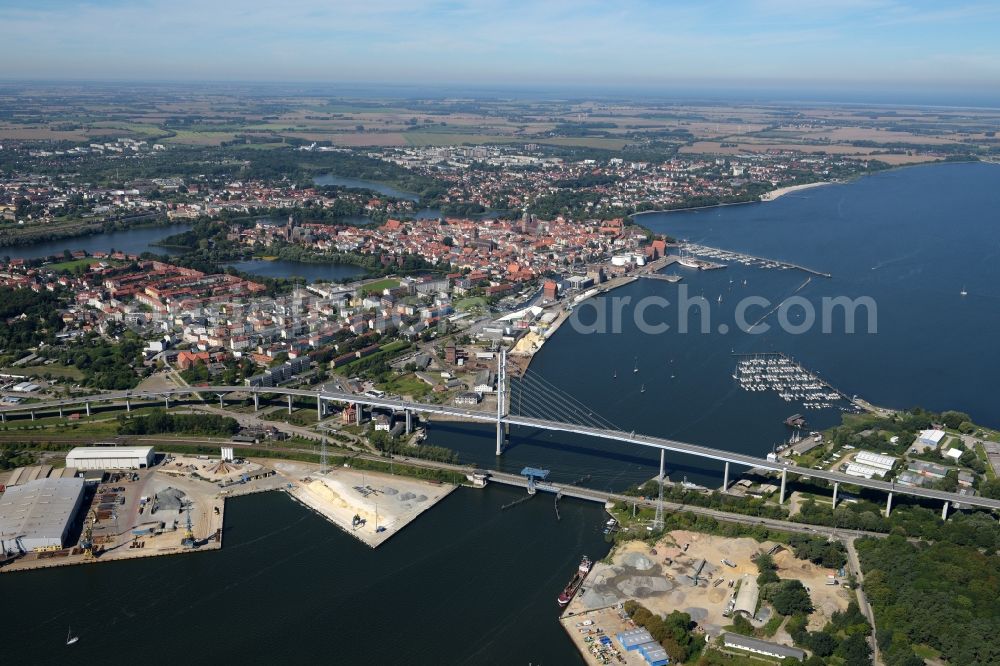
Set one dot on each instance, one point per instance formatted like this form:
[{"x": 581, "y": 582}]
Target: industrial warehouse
[
  {"x": 110, "y": 457},
  {"x": 38, "y": 515}
]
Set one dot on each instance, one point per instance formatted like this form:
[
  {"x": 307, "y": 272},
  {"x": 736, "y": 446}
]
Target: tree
[
  {"x": 789, "y": 597},
  {"x": 855, "y": 651},
  {"x": 767, "y": 569},
  {"x": 953, "y": 419},
  {"x": 821, "y": 643}
]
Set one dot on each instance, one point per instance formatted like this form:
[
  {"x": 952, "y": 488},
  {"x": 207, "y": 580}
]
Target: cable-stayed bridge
[{"x": 530, "y": 402}]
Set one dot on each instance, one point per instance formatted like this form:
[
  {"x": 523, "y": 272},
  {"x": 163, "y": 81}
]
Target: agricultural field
[{"x": 200, "y": 117}]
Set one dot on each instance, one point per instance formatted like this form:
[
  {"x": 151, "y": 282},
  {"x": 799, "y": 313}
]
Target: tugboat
[{"x": 574, "y": 584}]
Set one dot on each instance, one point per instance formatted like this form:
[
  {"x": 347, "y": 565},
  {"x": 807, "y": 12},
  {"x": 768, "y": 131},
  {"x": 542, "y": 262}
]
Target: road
[
  {"x": 852, "y": 557},
  {"x": 543, "y": 424}
]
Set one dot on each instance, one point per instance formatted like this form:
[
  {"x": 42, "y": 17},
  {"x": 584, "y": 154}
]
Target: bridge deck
[{"x": 543, "y": 424}]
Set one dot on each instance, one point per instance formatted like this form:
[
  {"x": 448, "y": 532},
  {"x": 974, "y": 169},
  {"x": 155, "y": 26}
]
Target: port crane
[
  {"x": 188, "y": 540},
  {"x": 87, "y": 543}
]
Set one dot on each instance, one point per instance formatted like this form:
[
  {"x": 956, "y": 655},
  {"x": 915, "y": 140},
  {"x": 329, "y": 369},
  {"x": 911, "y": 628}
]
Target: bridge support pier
[
  {"x": 501, "y": 396},
  {"x": 290, "y": 403},
  {"x": 409, "y": 421},
  {"x": 319, "y": 407},
  {"x": 357, "y": 413},
  {"x": 166, "y": 401},
  {"x": 256, "y": 402},
  {"x": 781, "y": 496},
  {"x": 944, "y": 510},
  {"x": 725, "y": 478},
  {"x": 32, "y": 415},
  {"x": 128, "y": 405},
  {"x": 3, "y": 416},
  {"x": 60, "y": 412},
  {"x": 836, "y": 487},
  {"x": 87, "y": 405},
  {"x": 222, "y": 405},
  {"x": 888, "y": 505}
]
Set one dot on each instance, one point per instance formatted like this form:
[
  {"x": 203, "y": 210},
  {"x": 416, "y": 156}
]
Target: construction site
[
  {"x": 370, "y": 506},
  {"x": 711, "y": 578}
]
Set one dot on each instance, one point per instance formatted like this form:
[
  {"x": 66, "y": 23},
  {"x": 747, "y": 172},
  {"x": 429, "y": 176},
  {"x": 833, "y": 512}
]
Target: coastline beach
[{"x": 782, "y": 191}]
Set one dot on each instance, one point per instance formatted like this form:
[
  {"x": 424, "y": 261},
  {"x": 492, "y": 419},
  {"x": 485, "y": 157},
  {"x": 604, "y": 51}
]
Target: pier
[
  {"x": 792, "y": 380},
  {"x": 662, "y": 276},
  {"x": 748, "y": 259}
]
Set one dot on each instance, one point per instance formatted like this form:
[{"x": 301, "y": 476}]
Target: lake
[
  {"x": 381, "y": 188},
  {"x": 131, "y": 241},
  {"x": 312, "y": 272}
]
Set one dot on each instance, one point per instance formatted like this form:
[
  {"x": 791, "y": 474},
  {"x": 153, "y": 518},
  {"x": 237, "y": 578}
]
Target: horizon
[
  {"x": 847, "y": 96},
  {"x": 861, "y": 51}
]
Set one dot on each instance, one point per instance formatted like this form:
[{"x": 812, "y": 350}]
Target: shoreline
[{"x": 782, "y": 191}]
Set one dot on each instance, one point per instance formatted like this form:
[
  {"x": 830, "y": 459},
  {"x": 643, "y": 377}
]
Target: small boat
[
  {"x": 963, "y": 292},
  {"x": 70, "y": 638},
  {"x": 636, "y": 366},
  {"x": 615, "y": 376},
  {"x": 720, "y": 298},
  {"x": 643, "y": 389}
]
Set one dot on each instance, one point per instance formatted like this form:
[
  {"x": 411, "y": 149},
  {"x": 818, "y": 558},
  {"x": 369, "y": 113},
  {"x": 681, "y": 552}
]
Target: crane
[
  {"x": 87, "y": 543},
  {"x": 188, "y": 540}
]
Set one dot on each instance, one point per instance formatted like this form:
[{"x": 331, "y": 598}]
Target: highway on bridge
[{"x": 487, "y": 417}]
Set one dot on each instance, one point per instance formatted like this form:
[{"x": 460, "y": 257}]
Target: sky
[{"x": 831, "y": 44}]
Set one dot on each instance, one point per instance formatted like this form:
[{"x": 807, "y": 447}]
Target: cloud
[{"x": 480, "y": 40}]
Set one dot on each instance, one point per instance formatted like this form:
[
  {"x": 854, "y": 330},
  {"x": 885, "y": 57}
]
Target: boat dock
[
  {"x": 662, "y": 276},
  {"x": 775, "y": 371},
  {"x": 748, "y": 259}
]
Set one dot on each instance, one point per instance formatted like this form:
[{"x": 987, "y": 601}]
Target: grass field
[
  {"x": 408, "y": 384},
  {"x": 73, "y": 264},
  {"x": 54, "y": 370},
  {"x": 459, "y": 138},
  {"x": 377, "y": 286}
]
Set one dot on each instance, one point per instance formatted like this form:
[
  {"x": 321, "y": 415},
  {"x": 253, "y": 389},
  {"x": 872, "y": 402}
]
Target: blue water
[
  {"x": 910, "y": 239},
  {"x": 381, "y": 188},
  {"x": 310, "y": 271},
  {"x": 466, "y": 583},
  {"x": 130, "y": 241}
]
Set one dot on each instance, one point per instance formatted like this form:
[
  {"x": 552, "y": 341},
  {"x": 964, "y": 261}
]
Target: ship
[{"x": 567, "y": 594}]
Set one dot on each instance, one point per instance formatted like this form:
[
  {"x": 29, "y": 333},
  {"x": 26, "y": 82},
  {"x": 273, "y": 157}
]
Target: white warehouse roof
[
  {"x": 864, "y": 471},
  {"x": 110, "y": 457},
  {"x": 90, "y": 452},
  {"x": 877, "y": 460},
  {"x": 38, "y": 513},
  {"x": 931, "y": 436}
]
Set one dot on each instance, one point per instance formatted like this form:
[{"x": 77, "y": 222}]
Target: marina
[
  {"x": 742, "y": 258},
  {"x": 778, "y": 373}
]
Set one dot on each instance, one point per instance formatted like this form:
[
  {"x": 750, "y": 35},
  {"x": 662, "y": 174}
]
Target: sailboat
[
  {"x": 70, "y": 638},
  {"x": 963, "y": 292},
  {"x": 615, "y": 376},
  {"x": 635, "y": 368},
  {"x": 720, "y": 298}
]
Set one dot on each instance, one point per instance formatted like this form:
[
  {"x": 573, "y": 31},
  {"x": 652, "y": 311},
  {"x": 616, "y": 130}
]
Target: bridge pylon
[
  {"x": 501, "y": 396},
  {"x": 658, "y": 520}
]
